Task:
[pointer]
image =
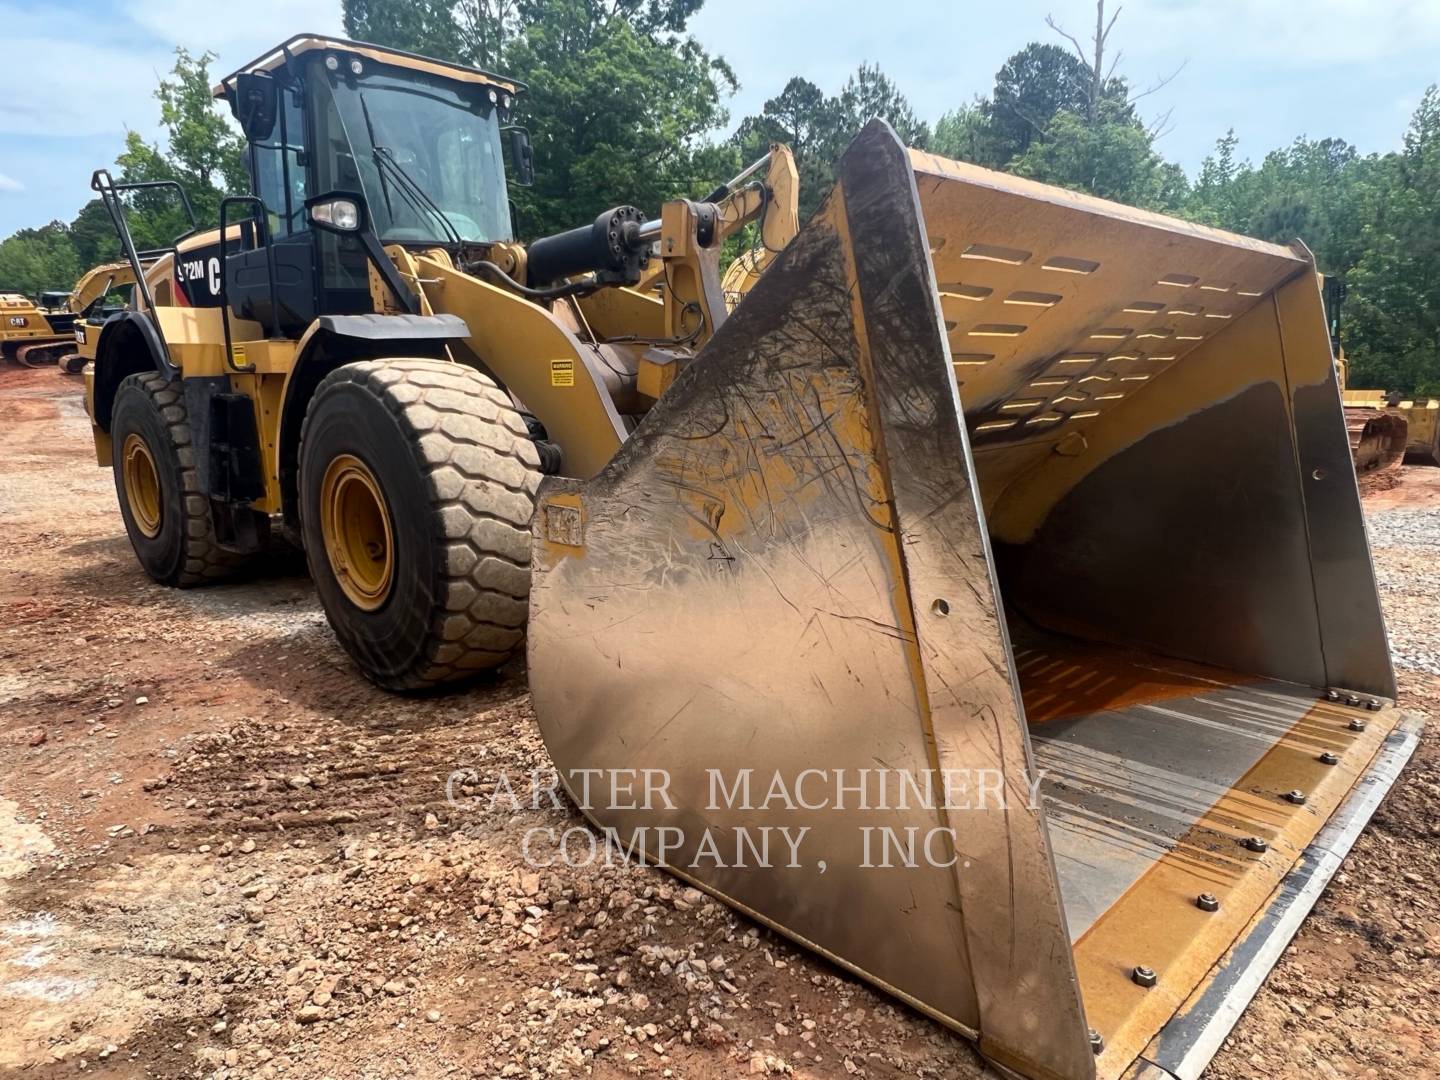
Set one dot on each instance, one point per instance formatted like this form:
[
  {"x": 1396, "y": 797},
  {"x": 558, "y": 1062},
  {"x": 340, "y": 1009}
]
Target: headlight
[
  {"x": 340, "y": 214},
  {"x": 356, "y": 68}
]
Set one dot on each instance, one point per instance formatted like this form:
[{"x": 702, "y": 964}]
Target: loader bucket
[{"x": 987, "y": 488}]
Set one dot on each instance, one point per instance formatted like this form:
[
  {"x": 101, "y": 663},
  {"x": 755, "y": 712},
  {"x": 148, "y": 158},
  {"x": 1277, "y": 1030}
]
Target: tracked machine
[
  {"x": 35, "y": 334},
  {"x": 30, "y": 334},
  {"x": 968, "y": 477}
]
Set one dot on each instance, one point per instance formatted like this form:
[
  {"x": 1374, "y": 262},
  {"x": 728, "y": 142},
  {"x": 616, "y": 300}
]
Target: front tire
[
  {"x": 417, "y": 483},
  {"x": 166, "y": 516}
]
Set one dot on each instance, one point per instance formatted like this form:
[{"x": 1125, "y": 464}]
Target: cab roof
[{"x": 380, "y": 54}]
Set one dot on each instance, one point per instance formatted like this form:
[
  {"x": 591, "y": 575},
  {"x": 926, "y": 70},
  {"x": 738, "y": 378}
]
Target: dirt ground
[{"x": 222, "y": 853}]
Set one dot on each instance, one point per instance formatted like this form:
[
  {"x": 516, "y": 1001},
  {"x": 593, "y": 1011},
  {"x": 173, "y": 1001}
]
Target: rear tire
[
  {"x": 166, "y": 516},
  {"x": 417, "y": 483}
]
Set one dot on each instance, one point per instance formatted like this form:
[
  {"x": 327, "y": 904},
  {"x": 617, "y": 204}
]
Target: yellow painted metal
[
  {"x": 613, "y": 313},
  {"x": 1018, "y": 501},
  {"x": 359, "y": 538},
  {"x": 142, "y": 484},
  {"x": 196, "y": 338},
  {"x": 268, "y": 356},
  {"x": 96, "y": 282},
  {"x": 531, "y": 352},
  {"x": 778, "y": 207},
  {"x": 22, "y": 322},
  {"x": 267, "y": 391},
  {"x": 1424, "y": 420},
  {"x": 1158, "y": 924},
  {"x": 654, "y": 374},
  {"x": 305, "y": 43}
]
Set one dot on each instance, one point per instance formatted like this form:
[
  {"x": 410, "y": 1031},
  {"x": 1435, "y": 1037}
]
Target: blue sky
[{"x": 78, "y": 73}]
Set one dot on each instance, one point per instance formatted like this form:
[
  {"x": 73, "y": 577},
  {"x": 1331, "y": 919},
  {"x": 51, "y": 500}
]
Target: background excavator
[
  {"x": 966, "y": 477},
  {"x": 36, "y": 333}
]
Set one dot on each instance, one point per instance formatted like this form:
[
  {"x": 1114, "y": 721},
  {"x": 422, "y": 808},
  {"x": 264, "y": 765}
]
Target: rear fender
[{"x": 128, "y": 344}]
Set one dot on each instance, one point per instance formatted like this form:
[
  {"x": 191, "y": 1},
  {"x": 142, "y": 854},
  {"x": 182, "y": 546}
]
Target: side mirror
[
  {"x": 522, "y": 157},
  {"x": 337, "y": 212},
  {"x": 256, "y": 103}
]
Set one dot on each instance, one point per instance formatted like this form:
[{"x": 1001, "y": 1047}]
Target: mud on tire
[
  {"x": 458, "y": 474},
  {"x": 183, "y": 552}
]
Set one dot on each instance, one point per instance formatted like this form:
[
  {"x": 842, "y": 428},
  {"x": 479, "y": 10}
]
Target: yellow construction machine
[
  {"x": 45, "y": 331},
  {"x": 30, "y": 333},
  {"x": 1001, "y": 543},
  {"x": 1385, "y": 428}
]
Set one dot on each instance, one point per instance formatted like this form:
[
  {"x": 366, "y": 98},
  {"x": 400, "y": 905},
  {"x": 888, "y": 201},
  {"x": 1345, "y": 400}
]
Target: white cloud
[
  {"x": 266, "y": 23},
  {"x": 54, "y": 84},
  {"x": 8, "y": 183}
]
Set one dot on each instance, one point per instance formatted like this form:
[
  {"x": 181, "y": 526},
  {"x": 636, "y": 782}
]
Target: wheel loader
[{"x": 970, "y": 485}]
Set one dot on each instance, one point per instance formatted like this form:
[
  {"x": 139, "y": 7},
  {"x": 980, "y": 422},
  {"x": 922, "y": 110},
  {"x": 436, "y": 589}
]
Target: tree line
[{"x": 623, "y": 103}]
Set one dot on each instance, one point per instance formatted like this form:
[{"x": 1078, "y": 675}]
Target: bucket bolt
[
  {"x": 1255, "y": 843},
  {"x": 1297, "y": 797},
  {"x": 1373, "y": 704},
  {"x": 1328, "y": 757},
  {"x": 1353, "y": 701},
  {"x": 1143, "y": 976},
  {"x": 1097, "y": 1042},
  {"x": 1332, "y": 695},
  {"x": 1357, "y": 724},
  {"x": 1207, "y": 902}
]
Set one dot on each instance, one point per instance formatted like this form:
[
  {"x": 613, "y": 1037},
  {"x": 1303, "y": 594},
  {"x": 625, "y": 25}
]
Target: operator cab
[{"x": 353, "y": 147}]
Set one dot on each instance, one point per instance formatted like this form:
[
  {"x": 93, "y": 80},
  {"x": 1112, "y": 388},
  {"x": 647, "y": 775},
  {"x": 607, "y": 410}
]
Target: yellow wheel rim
[
  {"x": 142, "y": 484},
  {"x": 355, "y": 523}
]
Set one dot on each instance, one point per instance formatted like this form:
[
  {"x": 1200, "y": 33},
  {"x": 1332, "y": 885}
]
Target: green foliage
[
  {"x": 202, "y": 152},
  {"x": 817, "y": 127},
  {"x": 33, "y": 260},
  {"x": 1393, "y": 310},
  {"x": 619, "y": 109},
  {"x": 1112, "y": 158}
]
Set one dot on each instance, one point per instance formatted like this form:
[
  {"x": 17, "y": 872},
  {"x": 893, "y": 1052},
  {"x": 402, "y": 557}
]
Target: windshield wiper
[
  {"x": 370, "y": 130},
  {"x": 385, "y": 158}
]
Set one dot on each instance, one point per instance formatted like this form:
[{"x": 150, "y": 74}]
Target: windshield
[{"x": 398, "y": 131}]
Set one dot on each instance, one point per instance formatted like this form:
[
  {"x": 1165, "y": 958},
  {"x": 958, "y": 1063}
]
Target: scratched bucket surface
[{"x": 797, "y": 563}]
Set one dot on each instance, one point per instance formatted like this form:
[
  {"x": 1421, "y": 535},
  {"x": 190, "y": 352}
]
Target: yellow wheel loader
[{"x": 1000, "y": 550}]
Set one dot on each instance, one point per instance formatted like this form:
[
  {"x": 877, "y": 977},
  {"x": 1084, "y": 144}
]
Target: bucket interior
[{"x": 1135, "y": 394}]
